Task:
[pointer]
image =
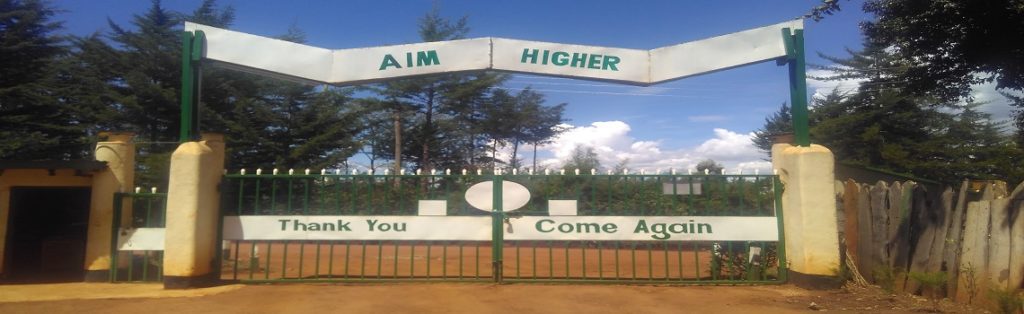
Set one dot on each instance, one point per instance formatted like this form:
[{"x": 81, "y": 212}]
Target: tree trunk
[
  {"x": 494, "y": 155},
  {"x": 397, "y": 118},
  {"x": 428, "y": 132},
  {"x": 535, "y": 156},
  {"x": 515, "y": 150}
]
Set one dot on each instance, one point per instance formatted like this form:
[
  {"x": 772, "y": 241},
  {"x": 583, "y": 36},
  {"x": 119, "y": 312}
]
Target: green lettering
[
  {"x": 428, "y": 57},
  {"x": 660, "y": 231},
  {"x": 560, "y": 58},
  {"x": 532, "y": 55},
  {"x": 672, "y": 228},
  {"x": 389, "y": 61},
  {"x": 594, "y": 62},
  {"x": 579, "y": 60},
  {"x": 641, "y": 226},
  {"x": 700, "y": 227},
  {"x": 610, "y": 228},
  {"x": 284, "y": 224},
  {"x": 540, "y": 226},
  {"x": 587, "y": 227},
  {"x": 609, "y": 63}
]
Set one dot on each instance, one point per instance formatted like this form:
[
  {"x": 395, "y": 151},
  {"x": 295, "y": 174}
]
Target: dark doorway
[{"x": 46, "y": 234}]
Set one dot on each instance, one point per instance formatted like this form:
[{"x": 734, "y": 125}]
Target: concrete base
[
  {"x": 97, "y": 276},
  {"x": 178, "y": 282},
  {"x": 814, "y": 282},
  {"x": 809, "y": 204}
]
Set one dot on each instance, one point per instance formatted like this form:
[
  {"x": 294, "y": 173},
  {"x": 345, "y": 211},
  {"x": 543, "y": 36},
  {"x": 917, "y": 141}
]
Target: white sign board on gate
[
  {"x": 362, "y": 65},
  {"x": 434, "y": 228},
  {"x": 140, "y": 239},
  {"x": 639, "y": 228},
  {"x": 478, "y": 228},
  {"x": 376, "y": 63},
  {"x": 718, "y": 53},
  {"x": 604, "y": 63}
]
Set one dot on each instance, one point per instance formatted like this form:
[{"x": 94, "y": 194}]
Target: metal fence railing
[
  {"x": 143, "y": 211},
  {"x": 671, "y": 253}
]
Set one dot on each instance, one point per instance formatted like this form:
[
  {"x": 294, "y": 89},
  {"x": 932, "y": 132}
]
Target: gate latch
[{"x": 508, "y": 223}]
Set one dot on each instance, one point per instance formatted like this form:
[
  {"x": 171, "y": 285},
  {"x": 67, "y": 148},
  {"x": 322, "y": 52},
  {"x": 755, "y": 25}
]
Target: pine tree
[
  {"x": 35, "y": 122},
  {"x": 781, "y": 122},
  {"x": 435, "y": 98}
]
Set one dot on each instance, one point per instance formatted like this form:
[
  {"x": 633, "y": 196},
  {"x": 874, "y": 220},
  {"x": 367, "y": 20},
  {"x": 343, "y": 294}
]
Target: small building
[{"x": 56, "y": 215}]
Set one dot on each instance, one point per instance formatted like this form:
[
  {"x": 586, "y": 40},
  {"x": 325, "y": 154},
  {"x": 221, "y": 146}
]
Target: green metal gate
[
  {"x": 498, "y": 259},
  {"x": 146, "y": 211}
]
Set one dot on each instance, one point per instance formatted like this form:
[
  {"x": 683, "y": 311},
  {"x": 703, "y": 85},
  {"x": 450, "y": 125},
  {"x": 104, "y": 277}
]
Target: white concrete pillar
[
  {"x": 118, "y": 151},
  {"x": 809, "y": 208},
  {"x": 192, "y": 213}
]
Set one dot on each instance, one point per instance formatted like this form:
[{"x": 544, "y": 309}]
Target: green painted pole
[
  {"x": 780, "y": 246},
  {"x": 198, "y": 41},
  {"x": 187, "y": 85},
  {"x": 497, "y": 233},
  {"x": 797, "y": 85}
]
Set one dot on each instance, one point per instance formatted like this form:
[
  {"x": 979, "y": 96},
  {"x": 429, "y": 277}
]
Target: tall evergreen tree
[
  {"x": 35, "y": 122},
  {"x": 434, "y": 98},
  {"x": 781, "y": 122}
]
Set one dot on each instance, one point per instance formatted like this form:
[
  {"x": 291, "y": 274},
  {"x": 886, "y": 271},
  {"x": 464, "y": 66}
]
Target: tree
[
  {"x": 781, "y": 122},
  {"x": 884, "y": 125},
  {"x": 538, "y": 124},
  {"x": 952, "y": 44},
  {"x": 435, "y": 97},
  {"x": 34, "y": 121},
  {"x": 709, "y": 166},
  {"x": 583, "y": 158},
  {"x": 272, "y": 123},
  {"x": 949, "y": 46},
  {"x": 149, "y": 73}
]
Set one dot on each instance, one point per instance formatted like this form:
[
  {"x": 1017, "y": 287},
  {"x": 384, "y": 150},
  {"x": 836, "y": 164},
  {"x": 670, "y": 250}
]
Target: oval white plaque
[{"x": 513, "y": 196}]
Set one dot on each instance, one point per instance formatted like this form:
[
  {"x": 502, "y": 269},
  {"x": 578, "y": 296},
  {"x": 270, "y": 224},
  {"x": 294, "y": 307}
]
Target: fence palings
[
  {"x": 944, "y": 218},
  {"x": 879, "y": 227},
  {"x": 865, "y": 255},
  {"x": 1015, "y": 213},
  {"x": 955, "y": 236},
  {"x": 923, "y": 227},
  {"x": 851, "y": 212},
  {"x": 977, "y": 239}
]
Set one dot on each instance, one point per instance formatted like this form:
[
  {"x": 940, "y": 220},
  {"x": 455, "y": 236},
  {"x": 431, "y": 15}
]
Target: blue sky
[{"x": 671, "y": 125}]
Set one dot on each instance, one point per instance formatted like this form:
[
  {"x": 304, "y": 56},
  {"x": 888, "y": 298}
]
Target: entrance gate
[
  {"x": 603, "y": 228},
  {"x": 627, "y": 228}
]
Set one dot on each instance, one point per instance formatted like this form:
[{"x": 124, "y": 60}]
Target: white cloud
[
  {"x": 613, "y": 143},
  {"x": 820, "y": 88},
  {"x": 992, "y": 102},
  {"x": 707, "y": 118}
]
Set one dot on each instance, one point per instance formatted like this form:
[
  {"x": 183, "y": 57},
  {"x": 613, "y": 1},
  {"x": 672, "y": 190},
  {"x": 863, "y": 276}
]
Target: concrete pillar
[
  {"x": 193, "y": 213},
  {"x": 809, "y": 208},
  {"x": 118, "y": 151}
]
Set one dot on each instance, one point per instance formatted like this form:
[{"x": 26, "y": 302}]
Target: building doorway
[{"x": 47, "y": 234}]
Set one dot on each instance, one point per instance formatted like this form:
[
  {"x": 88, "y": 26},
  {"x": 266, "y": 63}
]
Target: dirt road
[{"x": 443, "y": 298}]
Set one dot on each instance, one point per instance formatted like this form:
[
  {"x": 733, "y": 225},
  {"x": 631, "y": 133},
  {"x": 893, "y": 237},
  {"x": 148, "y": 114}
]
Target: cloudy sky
[{"x": 670, "y": 125}]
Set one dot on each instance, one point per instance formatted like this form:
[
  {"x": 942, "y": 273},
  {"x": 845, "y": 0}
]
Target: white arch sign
[{"x": 363, "y": 65}]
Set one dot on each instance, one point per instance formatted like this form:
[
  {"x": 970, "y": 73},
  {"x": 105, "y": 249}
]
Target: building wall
[{"x": 31, "y": 178}]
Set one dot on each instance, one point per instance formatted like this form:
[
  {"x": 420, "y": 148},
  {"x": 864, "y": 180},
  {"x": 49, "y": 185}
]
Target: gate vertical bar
[
  {"x": 187, "y": 83},
  {"x": 781, "y": 245},
  {"x": 497, "y": 234},
  {"x": 794, "y": 42},
  {"x": 115, "y": 225}
]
